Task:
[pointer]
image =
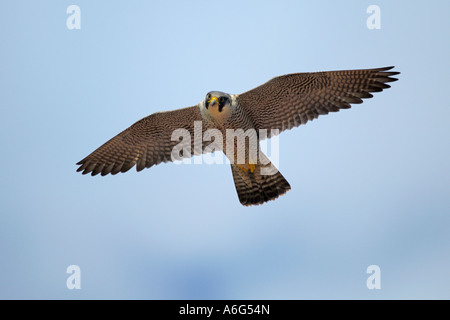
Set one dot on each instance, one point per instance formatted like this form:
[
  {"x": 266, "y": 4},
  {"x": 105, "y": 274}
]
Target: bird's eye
[
  {"x": 221, "y": 100},
  {"x": 208, "y": 96}
]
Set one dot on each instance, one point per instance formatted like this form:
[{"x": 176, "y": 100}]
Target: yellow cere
[{"x": 214, "y": 98}]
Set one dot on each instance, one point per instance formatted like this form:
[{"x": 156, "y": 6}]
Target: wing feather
[
  {"x": 294, "y": 99},
  {"x": 144, "y": 144}
]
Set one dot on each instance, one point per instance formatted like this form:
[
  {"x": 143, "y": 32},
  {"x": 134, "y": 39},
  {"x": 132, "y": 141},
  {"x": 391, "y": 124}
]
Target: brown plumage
[
  {"x": 256, "y": 188},
  {"x": 144, "y": 144},
  {"x": 281, "y": 103},
  {"x": 294, "y": 99}
]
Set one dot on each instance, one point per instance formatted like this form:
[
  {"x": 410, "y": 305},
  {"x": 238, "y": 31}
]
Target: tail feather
[{"x": 265, "y": 183}]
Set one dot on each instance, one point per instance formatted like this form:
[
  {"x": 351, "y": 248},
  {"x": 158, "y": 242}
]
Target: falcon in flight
[{"x": 282, "y": 103}]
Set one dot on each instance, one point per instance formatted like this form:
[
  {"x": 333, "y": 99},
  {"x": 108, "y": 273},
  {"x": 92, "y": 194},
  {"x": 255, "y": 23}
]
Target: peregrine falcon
[{"x": 282, "y": 103}]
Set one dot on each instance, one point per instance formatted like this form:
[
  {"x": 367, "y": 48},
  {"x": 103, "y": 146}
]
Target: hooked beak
[{"x": 213, "y": 101}]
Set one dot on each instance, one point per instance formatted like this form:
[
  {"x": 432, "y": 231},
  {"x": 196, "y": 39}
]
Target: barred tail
[{"x": 265, "y": 183}]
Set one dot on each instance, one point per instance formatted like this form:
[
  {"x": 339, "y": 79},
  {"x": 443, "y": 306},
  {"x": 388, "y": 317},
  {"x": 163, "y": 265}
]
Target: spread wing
[
  {"x": 144, "y": 144},
  {"x": 291, "y": 100}
]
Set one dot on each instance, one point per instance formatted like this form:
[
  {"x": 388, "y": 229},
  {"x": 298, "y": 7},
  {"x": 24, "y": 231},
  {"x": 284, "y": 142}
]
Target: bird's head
[
  {"x": 218, "y": 105},
  {"x": 217, "y": 100}
]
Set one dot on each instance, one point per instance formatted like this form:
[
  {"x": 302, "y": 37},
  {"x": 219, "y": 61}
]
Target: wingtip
[{"x": 385, "y": 70}]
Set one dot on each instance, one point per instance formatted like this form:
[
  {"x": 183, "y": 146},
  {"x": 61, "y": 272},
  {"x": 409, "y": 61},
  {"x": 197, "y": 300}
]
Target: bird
[{"x": 280, "y": 104}]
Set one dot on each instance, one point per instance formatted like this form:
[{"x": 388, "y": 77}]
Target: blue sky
[{"x": 370, "y": 185}]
